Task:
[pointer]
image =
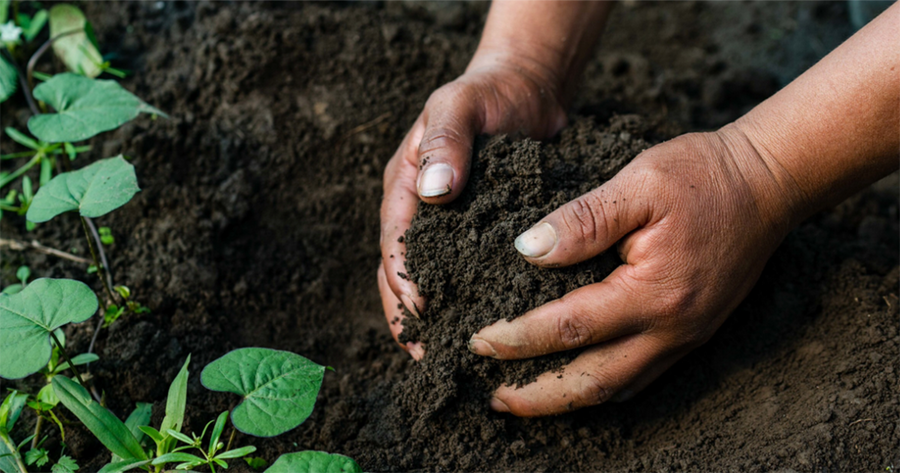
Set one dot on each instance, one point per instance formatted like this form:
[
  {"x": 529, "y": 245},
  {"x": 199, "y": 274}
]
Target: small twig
[
  {"x": 37, "y": 432},
  {"x": 40, "y": 52},
  {"x": 858, "y": 421},
  {"x": 366, "y": 126},
  {"x": 65, "y": 355},
  {"x": 17, "y": 245}
]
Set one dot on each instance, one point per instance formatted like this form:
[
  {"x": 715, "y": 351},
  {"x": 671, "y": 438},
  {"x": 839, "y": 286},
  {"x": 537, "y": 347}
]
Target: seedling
[{"x": 279, "y": 388}]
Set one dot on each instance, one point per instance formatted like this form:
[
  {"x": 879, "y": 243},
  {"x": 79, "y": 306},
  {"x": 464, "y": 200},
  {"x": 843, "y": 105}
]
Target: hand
[
  {"x": 695, "y": 219},
  {"x": 499, "y": 93}
]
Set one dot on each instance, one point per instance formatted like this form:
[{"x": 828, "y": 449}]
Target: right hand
[{"x": 498, "y": 93}]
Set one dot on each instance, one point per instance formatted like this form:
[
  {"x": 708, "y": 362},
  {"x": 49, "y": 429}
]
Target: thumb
[
  {"x": 452, "y": 119},
  {"x": 584, "y": 227}
]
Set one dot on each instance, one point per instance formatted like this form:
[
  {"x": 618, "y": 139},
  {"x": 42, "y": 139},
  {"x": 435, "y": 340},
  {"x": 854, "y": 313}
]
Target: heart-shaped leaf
[
  {"x": 311, "y": 461},
  {"x": 28, "y": 317},
  {"x": 108, "y": 429},
  {"x": 93, "y": 191},
  {"x": 9, "y": 79},
  {"x": 279, "y": 388},
  {"x": 84, "y": 107},
  {"x": 75, "y": 50}
]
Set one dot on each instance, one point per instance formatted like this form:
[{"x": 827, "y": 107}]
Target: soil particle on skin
[{"x": 462, "y": 258}]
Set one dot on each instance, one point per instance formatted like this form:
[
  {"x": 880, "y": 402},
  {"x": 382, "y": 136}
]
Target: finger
[
  {"x": 393, "y": 311},
  {"x": 586, "y": 226},
  {"x": 585, "y": 316},
  {"x": 397, "y": 210},
  {"x": 452, "y": 118},
  {"x": 592, "y": 378}
]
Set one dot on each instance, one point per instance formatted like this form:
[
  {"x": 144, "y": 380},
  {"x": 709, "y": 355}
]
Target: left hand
[{"x": 696, "y": 219}]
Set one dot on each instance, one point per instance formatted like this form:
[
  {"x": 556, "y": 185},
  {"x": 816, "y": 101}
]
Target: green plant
[{"x": 279, "y": 388}]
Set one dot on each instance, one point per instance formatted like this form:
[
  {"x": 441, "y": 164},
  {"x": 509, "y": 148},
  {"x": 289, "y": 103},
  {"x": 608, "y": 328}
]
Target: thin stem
[
  {"x": 87, "y": 235},
  {"x": 99, "y": 244},
  {"x": 37, "y": 431},
  {"x": 25, "y": 88},
  {"x": 40, "y": 52},
  {"x": 230, "y": 439},
  {"x": 22, "y": 170},
  {"x": 11, "y": 447},
  {"x": 68, "y": 360}
]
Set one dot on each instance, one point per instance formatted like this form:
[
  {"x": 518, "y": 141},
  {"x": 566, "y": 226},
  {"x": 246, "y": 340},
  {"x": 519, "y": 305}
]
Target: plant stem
[
  {"x": 68, "y": 360},
  {"x": 22, "y": 170},
  {"x": 40, "y": 52},
  {"x": 37, "y": 431},
  {"x": 100, "y": 268},
  {"x": 230, "y": 439},
  {"x": 11, "y": 447},
  {"x": 99, "y": 245}
]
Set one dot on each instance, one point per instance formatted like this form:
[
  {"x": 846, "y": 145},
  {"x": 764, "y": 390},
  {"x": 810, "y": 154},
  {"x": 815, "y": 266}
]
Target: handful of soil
[{"x": 462, "y": 258}]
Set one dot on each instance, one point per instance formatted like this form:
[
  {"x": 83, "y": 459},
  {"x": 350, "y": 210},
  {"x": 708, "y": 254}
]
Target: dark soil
[
  {"x": 258, "y": 226},
  {"x": 462, "y": 258}
]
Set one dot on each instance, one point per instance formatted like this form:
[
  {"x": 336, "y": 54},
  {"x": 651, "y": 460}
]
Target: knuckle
[
  {"x": 583, "y": 215},
  {"x": 572, "y": 332},
  {"x": 594, "y": 390}
]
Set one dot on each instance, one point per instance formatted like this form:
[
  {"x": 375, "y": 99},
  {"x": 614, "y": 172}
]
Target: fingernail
[
  {"x": 499, "y": 405},
  {"x": 436, "y": 180},
  {"x": 538, "y": 241},
  {"x": 481, "y": 347},
  {"x": 410, "y": 306}
]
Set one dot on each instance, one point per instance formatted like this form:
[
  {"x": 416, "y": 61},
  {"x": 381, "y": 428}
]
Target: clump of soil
[{"x": 462, "y": 258}]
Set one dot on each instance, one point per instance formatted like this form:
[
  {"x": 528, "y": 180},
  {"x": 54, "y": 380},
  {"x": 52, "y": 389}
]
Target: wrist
[{"x": 781, "y": 203}]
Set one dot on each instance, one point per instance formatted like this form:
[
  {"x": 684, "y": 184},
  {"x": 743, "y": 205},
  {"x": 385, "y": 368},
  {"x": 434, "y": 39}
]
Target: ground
[{"x": 257, "y": 225}]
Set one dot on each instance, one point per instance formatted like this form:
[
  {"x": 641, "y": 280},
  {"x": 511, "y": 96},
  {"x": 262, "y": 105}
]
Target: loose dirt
[{"x": 257, "y": 225}]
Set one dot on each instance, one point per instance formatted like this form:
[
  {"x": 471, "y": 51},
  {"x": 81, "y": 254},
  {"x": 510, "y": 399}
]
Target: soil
[
  {"x": 462, "y": 258},
  {"x": 258, "y": 225}
]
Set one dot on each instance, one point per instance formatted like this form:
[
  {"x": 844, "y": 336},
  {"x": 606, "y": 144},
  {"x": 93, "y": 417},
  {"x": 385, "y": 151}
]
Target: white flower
[{"x": 9, "y": 33}]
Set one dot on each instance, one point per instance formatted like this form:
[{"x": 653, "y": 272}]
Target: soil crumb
[{"x": 462, "y": 258}]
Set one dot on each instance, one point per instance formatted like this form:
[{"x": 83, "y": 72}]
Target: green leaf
[
  {"x": 237, "y": 452},
  {"x": 12, "y": 289},
  {"x": 75, "y": 50},
  {"x": 93, "y": 191},
  {"x": 311, "y": 461},
  {"x": 78, "y": 360},
  {"x": 152, "y": 433},
  {"x": 257, "y": 463},
  {"x": 9, "y": 79},
  {"x": 46, "y": 171},
  {"x": 217, "y": 432},
  {"x": 139, "y": 417},
  {"x": 65, "y": 465},
  {"x": 111, "y": 432},
  {"x": 70, "y": 151},
  {"x": 21, "y": 138},
  {"x": 35, "y": 25},
  {"x": 22, "y": 274},
  {"x": 47, "y": 396},
  {"x": 123, "y": 466},
  {"x": 180, "y": 436},
  {"x": 175, "y": 404},
  {"x": 176, "y": 457},
  {"x": 4, "y": 10},
  {"x": 27, "y": 318},
  {"x": 37, "y": 456},
  {"x": 10, "y": 410},
  {"x": 84, "y": 107},
  {"x": 279, "y": 388},
  {"x": 10, "y": 460}
]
